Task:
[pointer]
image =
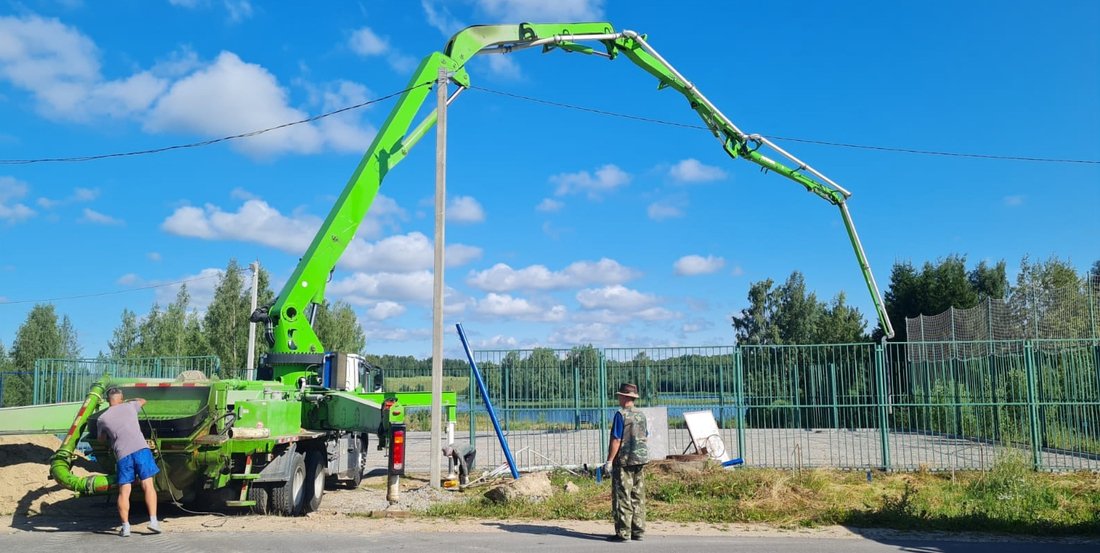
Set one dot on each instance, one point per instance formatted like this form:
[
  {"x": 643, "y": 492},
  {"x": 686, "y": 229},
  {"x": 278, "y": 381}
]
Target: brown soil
[{"x": 25, "y": 484}]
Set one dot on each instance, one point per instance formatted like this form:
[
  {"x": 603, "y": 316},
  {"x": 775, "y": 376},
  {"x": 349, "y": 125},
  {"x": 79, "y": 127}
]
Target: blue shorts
[{"x": 140, "y": 463}]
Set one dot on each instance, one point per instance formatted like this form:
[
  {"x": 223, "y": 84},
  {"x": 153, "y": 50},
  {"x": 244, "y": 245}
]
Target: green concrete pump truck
[{"x": 273, "y": 443}]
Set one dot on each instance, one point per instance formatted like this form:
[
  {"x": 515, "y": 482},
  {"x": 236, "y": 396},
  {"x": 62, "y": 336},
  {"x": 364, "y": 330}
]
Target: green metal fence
[
  {"x": 934, "y": 406},
  {"x": 63, "y": 380}
]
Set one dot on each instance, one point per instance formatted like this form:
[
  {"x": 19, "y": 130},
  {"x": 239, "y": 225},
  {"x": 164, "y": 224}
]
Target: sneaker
[
  {"x": 154, "y": 526},
  {"x": 124, "y": 531}
]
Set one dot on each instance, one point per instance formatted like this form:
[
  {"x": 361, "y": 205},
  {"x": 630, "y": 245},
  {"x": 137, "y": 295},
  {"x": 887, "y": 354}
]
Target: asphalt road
[{"x": 502, "y": 537}]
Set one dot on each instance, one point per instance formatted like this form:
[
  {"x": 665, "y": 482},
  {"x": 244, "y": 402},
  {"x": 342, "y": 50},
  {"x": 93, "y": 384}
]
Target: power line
[
  {"x": 549, "y": 103},
  {"x": 111, "y": 293},
  {"x": 788, "y": 138},
  {"x": 207, "y": 142}
]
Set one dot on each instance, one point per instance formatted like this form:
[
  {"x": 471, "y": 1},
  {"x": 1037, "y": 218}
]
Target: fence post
[
  {"x": 1, "y": 389},
  {"x": 576, "y": 396},
  {"x": 34, "y": 385},
  {"x": 1092, "y": 305},
  {"x": 880, "y": 377},
  {"x": 739, "y": 390},
  {"x": 955, "y": 375},
  {"x": 602, "y": 382},
  {"x": 506, "y": 394},
  {"x": 1032, "y": 405},
  {"x": 721, "y": 395},
  {"x": 835, "y": 398},
  {"x": 470, "y": 410}
]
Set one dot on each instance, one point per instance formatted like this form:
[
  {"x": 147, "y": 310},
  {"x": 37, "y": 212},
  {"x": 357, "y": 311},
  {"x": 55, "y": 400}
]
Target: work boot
[{"x": 125, "y": 530}]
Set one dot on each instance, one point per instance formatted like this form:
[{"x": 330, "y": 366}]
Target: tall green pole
[
  {"x": 576, "y": 396},
  {"x": 1032, "y": 405},
  {"x": 883, "y": 400},
  {"x": 470, "y": 409},
  {"x": 836, "y": 400},
  {"x": 602, "y": 368},
  {"x": 742, "y": 409}
]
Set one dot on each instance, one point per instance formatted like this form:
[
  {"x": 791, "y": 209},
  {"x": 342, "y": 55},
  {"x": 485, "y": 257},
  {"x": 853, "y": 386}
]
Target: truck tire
[
  {"x": 316, "y": 461},
  {"x": 259, "y": 494},
  {"x": 287, "y": 498}
]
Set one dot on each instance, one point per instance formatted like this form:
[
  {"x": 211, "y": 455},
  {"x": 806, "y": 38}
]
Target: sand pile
[{"x": 25, "y": 483}]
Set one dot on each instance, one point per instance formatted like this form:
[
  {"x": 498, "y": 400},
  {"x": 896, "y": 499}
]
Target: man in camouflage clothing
[{"x": 627, "y": 455}]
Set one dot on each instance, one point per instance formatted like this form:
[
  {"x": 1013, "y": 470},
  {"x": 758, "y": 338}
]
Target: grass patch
[{"x": 1011, "y": 498}]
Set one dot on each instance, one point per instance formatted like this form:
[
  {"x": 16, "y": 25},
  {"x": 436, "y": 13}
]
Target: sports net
[{"x": 1033, "y": 313}]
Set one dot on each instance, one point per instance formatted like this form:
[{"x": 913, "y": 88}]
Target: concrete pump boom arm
[{"x": 290, "y": 329}]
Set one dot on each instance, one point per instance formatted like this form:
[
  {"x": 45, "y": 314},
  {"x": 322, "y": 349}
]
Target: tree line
[
  {"x": 178, "y": 329},
  {"x": 790, "y": 314}
]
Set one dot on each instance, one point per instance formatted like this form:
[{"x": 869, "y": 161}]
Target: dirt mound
[{"x": 25, "y": 483}]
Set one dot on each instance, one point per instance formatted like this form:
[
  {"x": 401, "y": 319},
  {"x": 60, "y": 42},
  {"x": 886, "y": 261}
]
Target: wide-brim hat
[{"x": 628, "y": 390}]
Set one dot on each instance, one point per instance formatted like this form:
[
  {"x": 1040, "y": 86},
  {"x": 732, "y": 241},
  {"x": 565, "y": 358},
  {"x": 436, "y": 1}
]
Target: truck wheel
[
  {"x": 315, "y": 480},
  {"x": 259, "y": 494},
  {"x": 287, "y": 498}
]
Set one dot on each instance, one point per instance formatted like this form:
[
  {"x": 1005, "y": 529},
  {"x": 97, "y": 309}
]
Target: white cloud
[
  {"x": 199, "y": 104},
  {"x": 692, "y": 170},
  {"x": 11, "y": 210},
  {"x": 498, "y": 341},
  {"x": 59, "y": 66},
  {"x": 403, "y": 253},
  {"x": 366, "y": 42},
  {"x": 189, "y": 4},
  {"x": 611, "y": 316},
  {"x": 79, "y": 195},
  {"x": 440, "y": 17},
  {"x": 691, "y": 265},
  {"x": 695, "y": 325},
  {"x": 509, "y": 307},
  {"x": 606, "y": 179},
  {"x": 385, "y": 310},
  {"x": 581, "y": 334},
  {"x": 344, "y": 132},
  {"x": 154, "y": 256},
  {"x": 504, "y": 66},
  {"x": 515, "y": 11},
  {"x": 239, "y": 193},
  {"x": 85, "y": 194},
  {"x": 370, "y": 288},
  {"x": 549, "y": 205},
  {"x": 503, "y": 278},
  {"x": 1013, "y": 201},
  {"x": 239, "y": 10},
  {"x": 615, "y": 297},
  {"x": 258, "y": 222},
  {"x": 95, "y": 217},
  {"x": 199, "y": 286},
  {"x": 465, "y": 209},
  {"x": 659, "y": 211}
]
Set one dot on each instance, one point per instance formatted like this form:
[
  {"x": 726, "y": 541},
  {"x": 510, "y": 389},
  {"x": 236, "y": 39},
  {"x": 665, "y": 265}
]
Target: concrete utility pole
[
  {"x": 250, "y": 374},
  {"x": 436, "y": 457}
]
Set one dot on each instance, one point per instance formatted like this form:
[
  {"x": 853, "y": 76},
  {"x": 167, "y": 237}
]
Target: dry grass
[{"x": 1010, "y": 498}]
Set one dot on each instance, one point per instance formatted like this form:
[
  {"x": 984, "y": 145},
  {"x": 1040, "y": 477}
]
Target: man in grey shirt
[{"x": 119, "y": 425}]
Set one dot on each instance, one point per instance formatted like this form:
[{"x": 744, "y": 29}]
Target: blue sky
[{"x": 564, "y": 227}]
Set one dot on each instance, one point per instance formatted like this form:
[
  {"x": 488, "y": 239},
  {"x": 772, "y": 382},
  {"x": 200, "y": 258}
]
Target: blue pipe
[{"x": 488, "y": 404}]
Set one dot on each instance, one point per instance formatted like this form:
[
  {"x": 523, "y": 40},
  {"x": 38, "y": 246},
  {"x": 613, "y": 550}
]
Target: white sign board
[{"x": 705, "y": 434}]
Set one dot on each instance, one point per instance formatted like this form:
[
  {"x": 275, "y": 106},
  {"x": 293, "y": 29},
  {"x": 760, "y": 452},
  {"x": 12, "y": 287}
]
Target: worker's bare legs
[
  {"x": 151, "y": 503},
  {"x": 124, "y": 507}
]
